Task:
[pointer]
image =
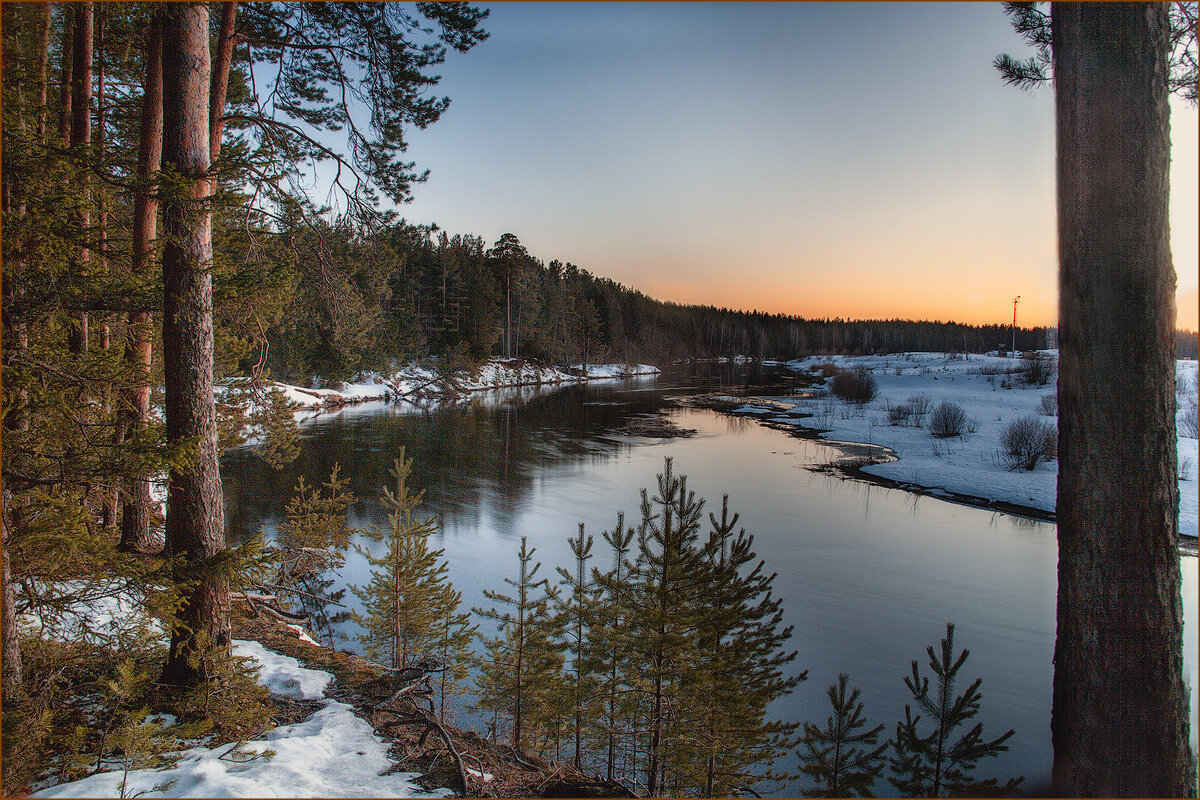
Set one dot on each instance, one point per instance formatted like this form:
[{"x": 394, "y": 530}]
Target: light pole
[{"x": 1014, "y": 326}]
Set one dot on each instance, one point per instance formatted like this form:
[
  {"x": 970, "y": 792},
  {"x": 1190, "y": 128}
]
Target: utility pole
[{"x": 1016, "y": 300}]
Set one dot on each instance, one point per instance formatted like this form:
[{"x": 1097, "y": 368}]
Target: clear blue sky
[{"x": 854, "y": 160}]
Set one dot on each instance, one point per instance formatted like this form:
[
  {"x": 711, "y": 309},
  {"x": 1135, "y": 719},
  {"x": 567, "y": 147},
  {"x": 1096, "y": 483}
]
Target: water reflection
[{"x": 869, "y": 575}]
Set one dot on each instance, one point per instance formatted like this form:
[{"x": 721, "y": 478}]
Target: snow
[
  {"x": 283, "y": 675},
  {"x": 421, "y": 384},
  {"x": 605, "y": 371},
  {"x": 333, "y": 753},
  {"x": 105, "y": 610},
  {"x": 972, "y": 464}
]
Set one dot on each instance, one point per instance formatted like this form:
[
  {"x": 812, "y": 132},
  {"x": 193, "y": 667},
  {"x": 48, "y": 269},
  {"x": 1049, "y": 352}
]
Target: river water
[{"x": 869, "y": 576}]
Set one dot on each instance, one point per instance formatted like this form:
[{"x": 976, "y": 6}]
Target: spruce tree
[
  {"x": 409, "y": 598},
  {"x": 522, "y": 672},
  {"x": 842, "y": 757},
  {"x": 933, "y": 765}
]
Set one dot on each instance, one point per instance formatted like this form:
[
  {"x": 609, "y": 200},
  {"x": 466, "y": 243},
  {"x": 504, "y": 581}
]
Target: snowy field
[
  {"x": 333, "y": 753},
  {"x": 974, "y": 463}
]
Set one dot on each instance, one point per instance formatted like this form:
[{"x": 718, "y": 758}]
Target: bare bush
[
  {"x": 1187, "y": 393},
  {"x": 947, "y": 419},
  {"x": 899, "y": 414},
  {"x": 1185, "y": 469},
  {"x": 855, "y": 385},
  {"x": 1028, "y": 440},
  {"x": 1049, "y": 405},
  {"x": 919, "y": 404},
  {"x": 1189, "y": 421},
  {"x": 1036, "y": 370}
]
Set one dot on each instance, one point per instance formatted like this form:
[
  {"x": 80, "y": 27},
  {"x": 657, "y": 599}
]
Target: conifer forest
[{"x": 172, "y": 283}]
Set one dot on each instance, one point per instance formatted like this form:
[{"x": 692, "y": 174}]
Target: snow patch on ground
[
  {"x": 333, "y": 753},
  {"x": 972, "y": 464}
]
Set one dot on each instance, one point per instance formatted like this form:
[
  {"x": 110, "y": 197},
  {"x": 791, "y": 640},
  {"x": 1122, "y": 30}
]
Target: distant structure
[{"x": 1016, "y": 300}]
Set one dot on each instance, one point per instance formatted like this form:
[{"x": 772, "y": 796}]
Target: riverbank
[
  {"x": 971, "y": 467},
  {"x": 348, "y": 711},
  {"x": 422, "y": 385}
]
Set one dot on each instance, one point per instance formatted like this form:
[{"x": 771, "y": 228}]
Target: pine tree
[
  {"x": 842, "y": 757},
  {"x": 311, "y": 546},
  {"x": 409, "y": 599},
  {"x": 577, "y": 609},
  {"x": 740, "y": 664},
  {"x": 453, "y": 652},
  {"x": 668, "y": 577},
  {"x": 932, "y": 765},
  {"x": 609, "y": 649},
  {"x": 522, "y": 672}
]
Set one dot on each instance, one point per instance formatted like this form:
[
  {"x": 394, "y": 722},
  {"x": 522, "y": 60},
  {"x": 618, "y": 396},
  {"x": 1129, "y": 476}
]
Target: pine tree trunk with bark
[
  {"x": 1120, "y": 722},
  {"x": 194, "y": 528},
  {"x": 81, "y": 138},
  {"x": 139, "y": 347}
]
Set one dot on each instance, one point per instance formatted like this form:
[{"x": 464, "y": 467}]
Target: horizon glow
[{"x": 819, "y": 160}]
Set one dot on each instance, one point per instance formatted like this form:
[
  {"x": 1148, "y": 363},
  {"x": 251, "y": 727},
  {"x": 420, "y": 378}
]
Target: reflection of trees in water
[{"x": 482, "y": 453}]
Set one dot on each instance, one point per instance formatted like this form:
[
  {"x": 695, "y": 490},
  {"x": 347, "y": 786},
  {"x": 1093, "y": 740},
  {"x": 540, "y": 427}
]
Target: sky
[{"x": 825, "y": 160}]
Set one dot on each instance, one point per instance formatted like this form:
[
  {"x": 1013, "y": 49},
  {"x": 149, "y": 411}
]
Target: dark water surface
[{"x": 869, "y": 576}]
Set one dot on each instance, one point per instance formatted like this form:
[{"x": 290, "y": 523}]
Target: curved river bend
[{"x": 869, "y": 576}]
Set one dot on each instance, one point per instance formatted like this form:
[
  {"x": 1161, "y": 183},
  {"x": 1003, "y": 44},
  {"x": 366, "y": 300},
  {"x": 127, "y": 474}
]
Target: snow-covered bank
[
  {"x": 333, "y": 753},
  {"x": 992, "y": 394},
  {"x": 418, "y": 384}
]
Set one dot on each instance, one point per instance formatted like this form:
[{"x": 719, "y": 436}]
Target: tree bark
[
  {"x": 194, "y": 529},
  {"x": 81, "y": 137},
  {"x": 220, "y": 78},
  {"x": 43, "y": 65},
  {"x": 1120, "y": 722},
  {"x": 64, "y": 88},
  {"x": 135, "y": 406}
]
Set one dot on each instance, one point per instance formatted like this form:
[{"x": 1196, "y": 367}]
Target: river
[{"x": 869, "y": 576}]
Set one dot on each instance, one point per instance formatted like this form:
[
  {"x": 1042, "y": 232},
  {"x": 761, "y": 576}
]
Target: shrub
[
  {"x": 1189, "y": 421},
  {"x": 948, "y": 419},
  {"x": 1028, "y": 440},
  {"x": 855, "y": 385},
  {"x": 919, "y": 404},
  {"x": 1049, "y": 405},
  {"x": 899, "y": 414},
  {"x": 1036, "y": 370}
]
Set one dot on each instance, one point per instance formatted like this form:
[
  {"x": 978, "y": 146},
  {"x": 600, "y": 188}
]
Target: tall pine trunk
[
  {"x": 139, "y": 347},
  {"x": 1120, "y": 723},
  {"x": 81, "y": 138},
  {"x": 194, "y": 528}
]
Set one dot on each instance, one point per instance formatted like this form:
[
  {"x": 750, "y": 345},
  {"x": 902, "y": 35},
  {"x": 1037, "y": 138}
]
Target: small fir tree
[
  {"x": 521, "y": 676},
  {"x": 610, "y": 649},
  {"x": 842, "y": 757},
  {"x": 740, "y": 666},
  {"x": 408, "y": 599},
  {"x": 935, "y": 765},
  {"x": 577, "y": 606},
  {"x": 310, "y": 546},
  {"x": 453, "y": 653},
  {"x": 667, "y": 580}
]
